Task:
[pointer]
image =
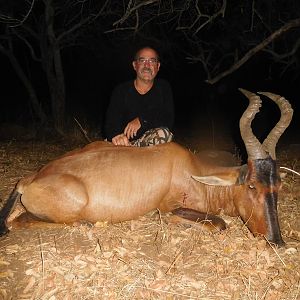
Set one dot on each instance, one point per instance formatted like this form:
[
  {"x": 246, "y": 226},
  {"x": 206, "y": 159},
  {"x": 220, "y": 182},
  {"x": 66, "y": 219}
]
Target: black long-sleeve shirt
[{"x": 154, "y": 109}]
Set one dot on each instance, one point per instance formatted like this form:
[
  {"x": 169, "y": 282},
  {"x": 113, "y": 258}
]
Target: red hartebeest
[{"x": 102, "y": 182}]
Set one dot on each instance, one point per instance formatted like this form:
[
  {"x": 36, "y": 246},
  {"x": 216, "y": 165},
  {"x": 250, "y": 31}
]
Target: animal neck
[
  {"x": 211, "y": 199},
  {"x": 221, "y": 198}
]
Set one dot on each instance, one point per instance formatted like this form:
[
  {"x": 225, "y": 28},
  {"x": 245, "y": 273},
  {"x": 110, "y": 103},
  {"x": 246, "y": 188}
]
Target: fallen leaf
[{"x": 30, "y": 284}]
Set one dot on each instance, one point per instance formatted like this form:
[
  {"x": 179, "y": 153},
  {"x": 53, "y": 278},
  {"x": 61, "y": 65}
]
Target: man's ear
[{"x": 134, "y": 65}]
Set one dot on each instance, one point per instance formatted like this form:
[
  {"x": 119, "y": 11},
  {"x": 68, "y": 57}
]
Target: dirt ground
[{"x": 148, "y": 258}]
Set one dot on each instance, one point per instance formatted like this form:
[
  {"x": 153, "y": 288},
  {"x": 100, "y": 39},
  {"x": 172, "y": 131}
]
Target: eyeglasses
[{"x": 151, "y": 61}]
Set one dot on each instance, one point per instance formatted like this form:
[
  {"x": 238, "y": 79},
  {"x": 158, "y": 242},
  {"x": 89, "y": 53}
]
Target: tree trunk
[
  {"x": 58, "y": 103},
  {"x": 37, "y": 109},
  {"x": 54, "y": 70}
]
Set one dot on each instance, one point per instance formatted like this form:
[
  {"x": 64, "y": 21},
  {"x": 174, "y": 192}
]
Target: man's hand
[
  {"x": 132, "y": 128},
  {"x": 121, "y": 140}
]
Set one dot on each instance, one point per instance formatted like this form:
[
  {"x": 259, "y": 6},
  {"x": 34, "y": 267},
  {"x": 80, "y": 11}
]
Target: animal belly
[
  {"x": 64, "y": 198},
  {"x": 118, "y": 209}
]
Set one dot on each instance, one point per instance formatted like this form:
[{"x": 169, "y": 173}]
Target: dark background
[
  {"x": 91, "y": 72},
  {"x": 89, "y": 83}
]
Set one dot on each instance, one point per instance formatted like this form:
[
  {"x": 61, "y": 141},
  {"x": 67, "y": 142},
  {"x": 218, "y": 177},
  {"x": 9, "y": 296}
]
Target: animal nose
[{"x": 278, "y": 241}]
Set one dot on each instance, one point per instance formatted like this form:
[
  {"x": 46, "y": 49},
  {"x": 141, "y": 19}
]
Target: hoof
[{"x": 3, "y": 230}]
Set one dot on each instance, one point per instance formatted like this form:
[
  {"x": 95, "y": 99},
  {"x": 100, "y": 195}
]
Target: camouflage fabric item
[{"x": 153, "y": 137}]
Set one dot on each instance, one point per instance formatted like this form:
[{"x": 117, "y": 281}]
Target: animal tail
[
  {"x": 209, "y": 221},
  {"x": 6, "y": 209}
]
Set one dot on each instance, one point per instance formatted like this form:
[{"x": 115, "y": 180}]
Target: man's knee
[
  {"x": 154, "y": 136},
  {"x": 163, "y": 135}
]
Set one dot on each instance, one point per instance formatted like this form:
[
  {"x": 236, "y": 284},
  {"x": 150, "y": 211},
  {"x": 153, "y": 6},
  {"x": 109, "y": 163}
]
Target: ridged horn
[
  {"x": 254, "y": 148},
  {"x": 286, "y": 110}
]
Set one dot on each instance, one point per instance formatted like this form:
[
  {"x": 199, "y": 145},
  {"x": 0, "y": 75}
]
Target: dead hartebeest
[{"x": 102, "y": 182}]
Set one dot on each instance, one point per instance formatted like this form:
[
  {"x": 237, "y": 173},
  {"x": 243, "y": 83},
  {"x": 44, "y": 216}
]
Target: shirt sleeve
[{"x": 114, "y": 123}]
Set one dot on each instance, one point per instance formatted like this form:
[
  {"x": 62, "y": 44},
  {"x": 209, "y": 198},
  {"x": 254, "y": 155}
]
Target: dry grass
[{"x": 148, "y": 258}]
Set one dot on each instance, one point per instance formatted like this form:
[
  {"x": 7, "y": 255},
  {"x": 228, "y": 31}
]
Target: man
[{"x": 141, "y": 111}]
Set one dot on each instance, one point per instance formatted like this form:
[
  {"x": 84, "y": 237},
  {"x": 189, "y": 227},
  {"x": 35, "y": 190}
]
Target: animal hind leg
[
  {"x": 17, "y": 211},
  {"x": 28, "y": 220},
  {"x": 60, "y": 198},
  {"x": 208, "y": 221},
  {"x": 20, "y": 218},
  {"x": 6, "y": 211}
]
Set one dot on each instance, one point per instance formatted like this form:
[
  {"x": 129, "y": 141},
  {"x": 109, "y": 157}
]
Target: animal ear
[{"x": 217, "y": 179}]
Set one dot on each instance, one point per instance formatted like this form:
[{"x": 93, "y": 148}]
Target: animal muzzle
[{"x": 271, "y": 217}]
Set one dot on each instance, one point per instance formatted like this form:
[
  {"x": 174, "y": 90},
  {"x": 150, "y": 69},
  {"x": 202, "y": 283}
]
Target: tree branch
[
  {"x": 209, "y": 18},
  {"x": 27, "y": 43},
  {"x": 253, "y": 51},
  {"x": 82, "y": 22},
  {"x": 131, "y": 28},
  {"x": 129, "y": 10},
  {"x": 279, "y": 57},
  {"x": 221, "y": 11},
  {"x": 25, "y": 17}
]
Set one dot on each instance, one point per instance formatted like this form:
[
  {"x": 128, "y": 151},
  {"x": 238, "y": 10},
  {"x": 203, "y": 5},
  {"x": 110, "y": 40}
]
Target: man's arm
[
  {"x": 121, "y": 140},
  {"x": 132, "y": 128},
  {"x": 114, "y": 116},
  {"x": 129, "y": 133}
]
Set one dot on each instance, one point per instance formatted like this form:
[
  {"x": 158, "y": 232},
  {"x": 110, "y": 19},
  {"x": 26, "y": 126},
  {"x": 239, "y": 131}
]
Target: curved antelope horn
[
  {"x": 286, "y": 110},
  {"x": 254, "y": 148}
]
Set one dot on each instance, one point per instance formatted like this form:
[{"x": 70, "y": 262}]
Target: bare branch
[
  {"x": 283, "y": 56},
  {"x": 129, "y": 10},
  {"x": 26, "y": 16},
  {"x": 221, "y": 11},
  {"x": 83, "y": 131},
  {"x": 27, "y": 43},
  {"x": 129, "y": 28},
  {"x": 209, "y": 18},
  {"x": 78, "y": 25},
  {"x": 137, "y": 21},
  {"x": 252, "y": 15},
  {"x": 101, "y": 10},
  {"x": 7, "y": 19},
  {"x": 253, "y": 51},
  {"x": 196, "y": 20},
  {"x": 204, "y": 62}
]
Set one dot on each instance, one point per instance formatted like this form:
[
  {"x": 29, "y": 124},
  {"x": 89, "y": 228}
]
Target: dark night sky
[
  {"x": 90, "y": 80},
  {"x": 92, "y": 71}
]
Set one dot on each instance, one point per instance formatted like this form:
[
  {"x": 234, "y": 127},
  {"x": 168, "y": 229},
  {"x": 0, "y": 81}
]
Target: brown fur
[{"x": 101, "y": 182}]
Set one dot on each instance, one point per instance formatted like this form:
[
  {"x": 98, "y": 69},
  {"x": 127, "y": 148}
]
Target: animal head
[
  {"x": 257, "y": 184},
  {"x": 256, "y": 201}
]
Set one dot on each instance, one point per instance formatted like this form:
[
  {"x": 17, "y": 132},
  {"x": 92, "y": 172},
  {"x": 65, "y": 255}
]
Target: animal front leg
[{"x": 210, "y": 222}]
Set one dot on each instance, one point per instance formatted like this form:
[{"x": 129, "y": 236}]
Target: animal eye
[{"x": 252, "y": 186}]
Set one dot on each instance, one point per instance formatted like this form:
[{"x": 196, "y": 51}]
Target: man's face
[{"x": 146, "y": 64}]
